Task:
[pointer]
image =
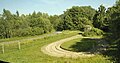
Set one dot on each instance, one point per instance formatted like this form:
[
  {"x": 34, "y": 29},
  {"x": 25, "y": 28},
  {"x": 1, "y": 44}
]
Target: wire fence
[{"x": 19, "y": 44}]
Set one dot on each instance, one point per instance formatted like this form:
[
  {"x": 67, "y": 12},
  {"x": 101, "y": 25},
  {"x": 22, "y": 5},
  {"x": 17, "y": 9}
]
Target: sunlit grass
[{"x": 31, "y": 52}]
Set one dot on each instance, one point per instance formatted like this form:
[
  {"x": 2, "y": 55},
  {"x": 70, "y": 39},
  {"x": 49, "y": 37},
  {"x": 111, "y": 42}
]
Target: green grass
[
  {"x": 29, "y": 43},
  {"x": 31, "y": 52},
  {"x": 67, "y": 45},
  {"x": 80, "y": 44},
  {"x": 19, "y": 38},
  {"x": 28, "y": 37}
]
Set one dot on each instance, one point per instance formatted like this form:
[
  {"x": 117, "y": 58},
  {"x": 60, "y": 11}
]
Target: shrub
[
  {"x": 93, "y": 32},
  {"x": 37, "y": 31}
]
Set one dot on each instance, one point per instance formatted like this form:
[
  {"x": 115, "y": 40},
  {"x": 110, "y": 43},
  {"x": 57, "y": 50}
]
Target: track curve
[{"x": 54, "y": 49}]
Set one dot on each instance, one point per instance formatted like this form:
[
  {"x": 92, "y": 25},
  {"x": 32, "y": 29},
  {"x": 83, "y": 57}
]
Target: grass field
[
  {"x": 83, "y": 45},
  {"x": 80, "y": 44},
  {"x": 31, "y": 52},
  {"x": 26, "y": 37}
]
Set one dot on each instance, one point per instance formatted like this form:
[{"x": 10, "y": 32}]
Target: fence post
[
  {"x": 3, "y": 49},
  {"x": 19, "y": 45}
]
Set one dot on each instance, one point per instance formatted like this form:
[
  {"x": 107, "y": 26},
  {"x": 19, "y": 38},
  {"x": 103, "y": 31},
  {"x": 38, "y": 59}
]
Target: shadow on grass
[
  {"x": 100, "y": 46},
  {"x": 113, "y": 53},
  {"x": 85, "y": 45}
]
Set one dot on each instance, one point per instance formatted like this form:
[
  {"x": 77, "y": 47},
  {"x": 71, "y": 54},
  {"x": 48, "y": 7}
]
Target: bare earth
[{"x": 54, "y": 49}]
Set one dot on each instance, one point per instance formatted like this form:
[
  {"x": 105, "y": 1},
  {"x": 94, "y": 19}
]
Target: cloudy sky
[{"x": 49, "y": 6}]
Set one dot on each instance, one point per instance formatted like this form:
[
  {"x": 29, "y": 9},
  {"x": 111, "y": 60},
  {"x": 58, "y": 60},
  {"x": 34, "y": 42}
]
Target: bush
[
  {"x": 22, "y": 32},
  {"x": 37, "y": 31},
  {"x": 93, "y": 32}
]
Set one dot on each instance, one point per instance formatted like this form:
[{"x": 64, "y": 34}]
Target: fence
[{"x": 18, "y": 44}]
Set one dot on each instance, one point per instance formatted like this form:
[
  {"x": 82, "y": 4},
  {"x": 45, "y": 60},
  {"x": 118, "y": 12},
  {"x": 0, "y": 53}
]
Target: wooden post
[
  {"x": 19, "y": 46},
  {"x": 3, "y": 49}
]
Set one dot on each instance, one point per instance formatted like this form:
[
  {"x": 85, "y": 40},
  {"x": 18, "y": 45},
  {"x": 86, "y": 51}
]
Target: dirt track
[{"x": 54, "y": 49}]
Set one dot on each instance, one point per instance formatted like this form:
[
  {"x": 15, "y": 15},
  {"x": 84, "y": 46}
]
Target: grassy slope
[
  {"x": 79, "y": 45},
  {"x": 83, "y": 45},
  {"x": 67, "y": 45},
  {"x": 31, "y": 53},
  {"x": 19, "y": 38}
]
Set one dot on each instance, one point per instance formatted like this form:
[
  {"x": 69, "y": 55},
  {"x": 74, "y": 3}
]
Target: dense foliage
[
  {"x": 93, "y": 32},
  {"x": 100, "y": 18},
  {"x": 76, "y": 18},
  {"x": 114, "y": 25},
  {"x": 12, "y": 25}
]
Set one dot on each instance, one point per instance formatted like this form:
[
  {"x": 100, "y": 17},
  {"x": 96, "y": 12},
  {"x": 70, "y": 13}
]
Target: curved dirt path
[{"x": 54, "y": 49}]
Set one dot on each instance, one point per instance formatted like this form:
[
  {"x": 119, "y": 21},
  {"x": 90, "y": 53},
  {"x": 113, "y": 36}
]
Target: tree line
[
  {"x": 12, "y": 25},
  {"x": 36, "y": 23}
]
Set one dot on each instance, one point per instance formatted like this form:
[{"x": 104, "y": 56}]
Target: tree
[
  {"x": 55, "y": 20},
  {"x": 68, "y": 24},
  {"x": 40, "y": 20},
  {"x": 77, "y": 17},
  {"x": 17, "y": 13},
  {"x": 99, "y": 18},
  {"x": 82, "y": 23},
  {"x": 114, "y": 24},
  {"x": 6, "y": 24}
]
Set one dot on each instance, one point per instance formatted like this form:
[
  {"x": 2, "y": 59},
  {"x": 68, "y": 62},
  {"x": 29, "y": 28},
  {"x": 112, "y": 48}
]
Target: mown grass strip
[{"x": 31, "y": 53}]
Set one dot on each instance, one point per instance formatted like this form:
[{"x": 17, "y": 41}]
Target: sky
[{"x": 51, "y": 7}]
